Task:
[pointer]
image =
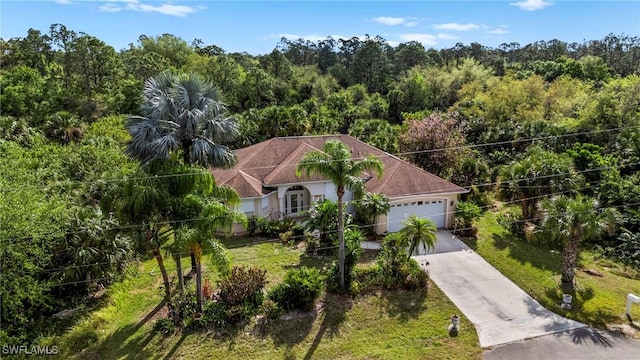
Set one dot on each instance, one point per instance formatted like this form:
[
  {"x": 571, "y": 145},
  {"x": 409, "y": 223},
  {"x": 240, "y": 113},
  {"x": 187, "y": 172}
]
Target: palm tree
[
  {"x": 372, "y": 205},
  {"x": 182, "y": 114},
  {"x": 212, "y": 217},
  {"x": 139, "y": 206},
  {"x": 418, "y": 231},
  {"x": 335, "y": 163},
  {"x": 568, "y": 222}
]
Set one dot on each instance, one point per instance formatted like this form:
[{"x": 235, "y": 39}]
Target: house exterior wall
[{"x": 450, "y": 209}]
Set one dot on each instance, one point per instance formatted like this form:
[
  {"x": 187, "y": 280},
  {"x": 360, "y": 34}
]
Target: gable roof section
[{"x": 273, "y": 162}]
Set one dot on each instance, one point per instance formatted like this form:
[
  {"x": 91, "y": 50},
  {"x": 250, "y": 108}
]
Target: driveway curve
[{"x": 500, "y": 311}]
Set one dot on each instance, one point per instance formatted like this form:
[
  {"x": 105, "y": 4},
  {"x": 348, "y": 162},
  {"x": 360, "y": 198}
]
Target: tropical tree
[
  {"x": 539, "y": 173},
  {"x": 418, "y": 231},
  {"x": 568, "y": 222},
  {"x": 211, "y": 216},
  {"x": 138, "y": 205},
  {"x": 335, "y": 163},
  {"x": 182, "y": 113},
  {"x": 372, "y": 205}
]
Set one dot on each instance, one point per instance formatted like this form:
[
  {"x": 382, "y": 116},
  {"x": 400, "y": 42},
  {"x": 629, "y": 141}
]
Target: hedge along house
[{"x": 265, "y": 178}]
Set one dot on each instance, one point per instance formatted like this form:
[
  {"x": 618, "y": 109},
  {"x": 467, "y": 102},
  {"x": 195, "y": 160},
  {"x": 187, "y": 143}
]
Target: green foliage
[
  {"x": 241, "y": 292},
  {"x": 182, "y": 308},
  {"x": 418, "y": 231},
  {"x": 395, "y": 268},
  {"x": 539, "y": 173},
  {"x": 165, "y": 326},
  {"x": 323, "y": 224},
  {"x": 369, "y": 207},
  {"x": 468, "y": 212},
  {"x": 353, "y": 249},
  {"x": 378, "y": 133},
  {"x": 300, "y": 288}
]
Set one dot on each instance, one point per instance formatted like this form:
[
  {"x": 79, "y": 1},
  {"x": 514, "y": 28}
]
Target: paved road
[
  {"x": 583, "y": 344},
  {"x": 500, "y": 311}
]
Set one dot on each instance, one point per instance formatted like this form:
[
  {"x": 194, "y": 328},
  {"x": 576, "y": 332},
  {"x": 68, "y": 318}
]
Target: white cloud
[
  {"x": 411, "y": 24},
  {"x": 531, "y": 5},
  {"x": 499, "y": 30},
  {"x": 391, "y": 21},
  {"x": 109, "y": 8},
  {"x": 63, "y": 2},
  {"x": 447, "y": 37},
  {"x": 136, "y": 5},
  {"x": 457, "y": 27}
]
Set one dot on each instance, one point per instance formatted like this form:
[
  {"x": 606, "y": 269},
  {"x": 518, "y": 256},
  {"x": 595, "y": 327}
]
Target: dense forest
[{"x": 513, "y": 124}]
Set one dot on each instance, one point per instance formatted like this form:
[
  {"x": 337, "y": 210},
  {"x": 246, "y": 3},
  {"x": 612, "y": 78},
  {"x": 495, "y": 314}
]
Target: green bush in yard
[
  {"x": 301, "y": 287},
  {"x": 241, "y": 293}
]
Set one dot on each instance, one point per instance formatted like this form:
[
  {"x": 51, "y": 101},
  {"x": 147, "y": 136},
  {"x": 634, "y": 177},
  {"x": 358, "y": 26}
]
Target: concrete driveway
[{"x": 500, "y": 311}]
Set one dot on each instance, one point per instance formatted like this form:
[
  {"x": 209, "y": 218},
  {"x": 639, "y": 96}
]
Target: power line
[
  {"x": 169, "y": 222},
  {"x": 173, "y": 254},
  {"x": 396, "y": 155}
]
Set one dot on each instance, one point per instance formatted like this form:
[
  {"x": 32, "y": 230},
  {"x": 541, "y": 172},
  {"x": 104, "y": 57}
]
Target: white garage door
[{"x": 432, "y": 209}]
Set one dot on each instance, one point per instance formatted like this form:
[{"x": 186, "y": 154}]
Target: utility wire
[
  {"x": 349, "y": 202},
  {"x": 396, "y": 155}
]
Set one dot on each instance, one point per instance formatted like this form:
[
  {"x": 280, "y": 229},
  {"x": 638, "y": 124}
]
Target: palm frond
[
  {"x": 206, "y": 153},
  {"x": 219, "y": 256}
]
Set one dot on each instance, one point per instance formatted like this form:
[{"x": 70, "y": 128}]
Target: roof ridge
[{"x": 285, "y": 162}]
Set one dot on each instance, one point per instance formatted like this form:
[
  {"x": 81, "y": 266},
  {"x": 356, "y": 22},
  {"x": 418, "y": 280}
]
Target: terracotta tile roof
[{"x": 273, "y": 162}]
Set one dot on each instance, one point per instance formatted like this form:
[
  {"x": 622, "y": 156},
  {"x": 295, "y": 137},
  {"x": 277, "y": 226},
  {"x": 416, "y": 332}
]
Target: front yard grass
[
  {"x": 384, "y": 325},
  {"x": 598, "y": 301}
]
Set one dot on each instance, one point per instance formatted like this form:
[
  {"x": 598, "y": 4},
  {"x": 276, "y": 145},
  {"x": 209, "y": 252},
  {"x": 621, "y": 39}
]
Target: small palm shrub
[
  {"x": 300, "y": 289},
  {"x": 352, "y": 251}
]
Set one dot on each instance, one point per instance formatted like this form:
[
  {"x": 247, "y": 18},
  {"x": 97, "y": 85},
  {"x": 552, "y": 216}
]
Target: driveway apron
[{"x": 500, "y": 311}]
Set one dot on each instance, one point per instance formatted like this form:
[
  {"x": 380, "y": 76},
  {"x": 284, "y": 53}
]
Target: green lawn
[
  {"x": 385, "y": 325},
  {"x": 598, "y": 301}
]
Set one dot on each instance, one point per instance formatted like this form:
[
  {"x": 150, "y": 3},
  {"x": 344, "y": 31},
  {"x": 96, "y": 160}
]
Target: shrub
[
  {"x": 287, "y": 238},
  {"x": 367, "y": 279},
  {"x": 468, "y": 212},
  {"x": 271, "y": 310},
  {"x": 300, "y": 289},
  {"x": 165, "y": 326},
  {"x": 241, "y": 293},
  {"x": 214, "y": 313},
  {"x": 352, "y": 251},
  {"x": 396, "y": 269},
  {"x": 182, "y": 308}
]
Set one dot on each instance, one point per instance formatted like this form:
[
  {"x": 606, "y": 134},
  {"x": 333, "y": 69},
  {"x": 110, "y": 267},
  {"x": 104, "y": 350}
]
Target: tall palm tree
[
  {"x": 335, "y": 163},
  {"x": 183, "y": 114},
  {"x": 418, "y": 231},
  {"x": 568, "y": 222}
]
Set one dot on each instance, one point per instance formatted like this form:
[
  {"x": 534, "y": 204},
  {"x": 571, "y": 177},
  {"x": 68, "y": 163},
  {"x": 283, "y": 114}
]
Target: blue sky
[{"x": 257, "y": 26}]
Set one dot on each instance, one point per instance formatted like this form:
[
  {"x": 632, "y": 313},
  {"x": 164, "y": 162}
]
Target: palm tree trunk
[
  {"x": 199, "y": 286},
  {"x": 193, "y": 263},
  {"x": 341, "y": 236},
  {"x": 180, "y": 274},
  {"x": 570, "y": 256},
  {"x": 163, "y": 271}
]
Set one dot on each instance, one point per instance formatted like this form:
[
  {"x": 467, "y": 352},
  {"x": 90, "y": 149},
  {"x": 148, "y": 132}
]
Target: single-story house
[{"x": 265, "y": 178}]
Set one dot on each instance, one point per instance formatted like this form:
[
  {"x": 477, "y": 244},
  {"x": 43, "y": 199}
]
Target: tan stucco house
[{"x": 265, "y": 178}]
